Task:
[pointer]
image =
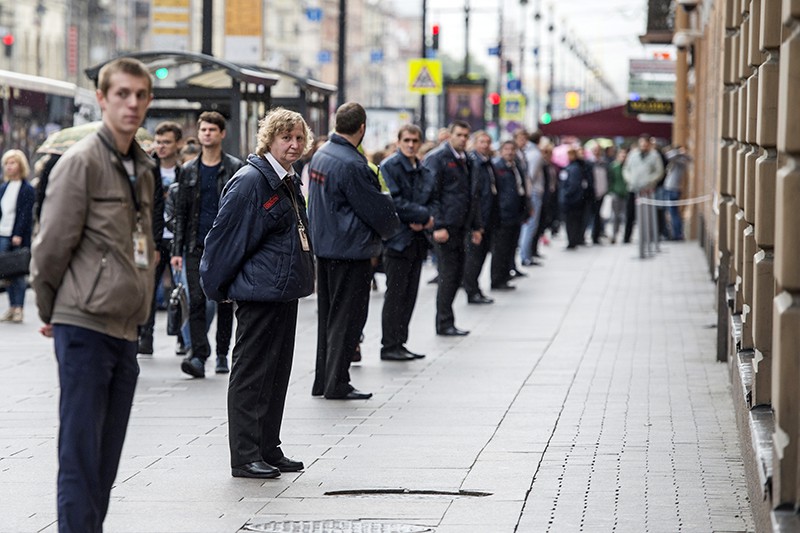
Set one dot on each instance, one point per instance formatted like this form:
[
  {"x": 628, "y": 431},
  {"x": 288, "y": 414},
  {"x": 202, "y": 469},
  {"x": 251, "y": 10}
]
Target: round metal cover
[{"x": 335, "y": 526}]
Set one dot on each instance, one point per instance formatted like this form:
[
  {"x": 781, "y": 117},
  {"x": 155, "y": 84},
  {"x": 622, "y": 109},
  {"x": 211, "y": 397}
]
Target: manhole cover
[{"x": 335, "y": 526}]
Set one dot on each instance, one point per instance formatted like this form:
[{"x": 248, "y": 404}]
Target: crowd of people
[{"x": 252, "y": 237}]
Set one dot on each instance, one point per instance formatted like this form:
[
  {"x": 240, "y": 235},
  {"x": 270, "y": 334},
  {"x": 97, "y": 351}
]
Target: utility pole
[
  {"x": 423, "y": 121},
  {"x": 466, "y": 38},
  {"x": 340, "y": 95},
  {"x": 208, "y": 27}
]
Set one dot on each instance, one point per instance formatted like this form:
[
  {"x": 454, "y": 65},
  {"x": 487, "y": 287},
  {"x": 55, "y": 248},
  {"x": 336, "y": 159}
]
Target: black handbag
[
  {"x": 15, "y": 263},
  {"x": 177, "y": 309}
]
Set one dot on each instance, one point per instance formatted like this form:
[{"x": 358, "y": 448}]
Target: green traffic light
[
  {"x": 546, "y": 118},
  {"x": 162, "y": 73}
]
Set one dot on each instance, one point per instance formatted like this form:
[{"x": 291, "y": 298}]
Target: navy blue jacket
[
  {"x": 572, "y": 186},
  {"x": 253, "y": 252},
  {"x": 23, "y": 220},
  {"x": 511, "y": 205},
  {"x": 482, "y": 177},
  {"x": 348, "y": 212},
  {"x": 413, "y": 192},
  {"x": 457, "y": 204}
]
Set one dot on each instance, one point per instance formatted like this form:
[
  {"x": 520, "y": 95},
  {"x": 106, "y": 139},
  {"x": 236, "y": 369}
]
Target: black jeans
[
  {"x": 262, "y": 364},
  {"x": 630, "y": 215},
  {"x": 97, "y": 374},
  {"x": 342, "y": 304},
  {"x": 503, "y": 249},
  {"x": 475, "y": 256},
  {"x": 165, "y": 251},
  {"x": 197, "y": 305},
  {"x": 574, "y": 221},
  {"x": 402, "y": 284},
  {"x": 451, "y": 272}
]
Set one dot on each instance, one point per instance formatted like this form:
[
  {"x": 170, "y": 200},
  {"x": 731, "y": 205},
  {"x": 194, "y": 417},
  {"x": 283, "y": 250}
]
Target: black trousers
[
  {"x": 475, "y": 257},
  {"x": 197, "y": 312},
  {"x": 503, "y": 249},
  {"x": 451, "y": 272},
  {"x": 403, "y": 270},
  {"x": 342, "y": 304},
  {"x": 165, "y": 251},
  {"x": 630, "y": 215},
  {"x": 574, "y": 221},
  {"x": 97, "y": 374},
  {"x": 598, "y": 225},
  {"x": 262, "y": 364}
]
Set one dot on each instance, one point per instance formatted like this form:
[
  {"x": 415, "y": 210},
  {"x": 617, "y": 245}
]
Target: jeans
[
  {"x": 529, "y": 229},
  {"x": 17, "y": 285},
  {"x": 211, "y": 308},
  {"x": 676, "y": 222}
]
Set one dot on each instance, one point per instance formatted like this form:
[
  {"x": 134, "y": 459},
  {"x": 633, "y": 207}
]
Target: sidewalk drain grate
[
  {"x": 407, "y": 492},
  {"x": 335, "y": 526}
]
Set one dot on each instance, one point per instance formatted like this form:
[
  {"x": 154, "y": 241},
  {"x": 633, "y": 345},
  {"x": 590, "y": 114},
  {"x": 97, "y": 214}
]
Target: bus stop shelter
[{"x": 187, "y": 83}]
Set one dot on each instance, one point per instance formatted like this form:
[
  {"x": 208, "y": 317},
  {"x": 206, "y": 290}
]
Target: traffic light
[
  {"x": 435, "y": 34},
  {"x": 494, "y": 98},
  {"x": 8, "y": 43},
  {"x": 509, "y": 69},
  {"x": 546, "y": 118},
  {"x": 162, "y": 73}
]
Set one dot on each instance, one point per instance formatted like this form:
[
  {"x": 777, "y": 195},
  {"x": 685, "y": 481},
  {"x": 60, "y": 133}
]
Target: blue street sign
[
  {"x": 494, "y": 51},
  {"x": 514, "y": 85},
  {"x": 323, "y": 56},
  {"x": 314, "y": 14},
  {"x": 376, "y": 55}
]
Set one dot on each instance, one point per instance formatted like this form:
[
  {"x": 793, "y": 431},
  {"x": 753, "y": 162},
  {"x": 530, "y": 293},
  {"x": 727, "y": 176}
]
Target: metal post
[
  {"x": 466, "y": 39},
  {"x": 642, "y": 221},
  {"x": 340, "y": 96},
  {"x": 423, "y": 120},
  {"x": 208, "y": 27},
  {"x": 654, "y": 226}
]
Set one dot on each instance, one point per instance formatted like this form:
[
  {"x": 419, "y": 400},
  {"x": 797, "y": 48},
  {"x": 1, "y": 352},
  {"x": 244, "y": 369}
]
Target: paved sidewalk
[{"x": 587, "y": 400}]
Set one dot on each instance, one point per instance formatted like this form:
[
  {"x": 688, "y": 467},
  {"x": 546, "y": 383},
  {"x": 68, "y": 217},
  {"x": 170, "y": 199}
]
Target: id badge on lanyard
[{"x": 140, "y": 255}]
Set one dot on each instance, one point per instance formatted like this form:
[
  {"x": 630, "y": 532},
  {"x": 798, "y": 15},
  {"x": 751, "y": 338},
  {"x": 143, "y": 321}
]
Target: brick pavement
[{"x": 587, "y": 400}]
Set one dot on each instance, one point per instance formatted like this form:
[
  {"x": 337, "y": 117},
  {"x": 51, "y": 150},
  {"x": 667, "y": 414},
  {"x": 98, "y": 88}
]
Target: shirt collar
[
  {"x": 279, "y": 170},
  {"x": 458, "y": 155}
]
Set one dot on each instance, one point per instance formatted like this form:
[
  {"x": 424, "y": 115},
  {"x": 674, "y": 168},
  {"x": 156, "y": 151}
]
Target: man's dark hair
[
  {"x": 413, "y": 129},
  {"x": 349, "y": 118},
  {"x": 169, "y": 126},
  {"x": 458, "y": 124},
  {"x": 212, "y": 117},
  {"x": 535, "y": 137}
]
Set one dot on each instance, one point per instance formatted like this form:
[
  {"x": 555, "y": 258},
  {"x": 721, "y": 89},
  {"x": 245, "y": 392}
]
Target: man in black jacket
[
  {"x": 412, "y": 187},
  {"x": 349, "y": 216},
  {"x": 512, "y": 210},
  {"x": 458, "y": 214},
  {"x": 202, "y": 181}
]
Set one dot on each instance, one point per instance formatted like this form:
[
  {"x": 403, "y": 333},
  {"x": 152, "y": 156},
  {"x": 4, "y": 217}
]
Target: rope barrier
[{"x": 675, "y": 203}]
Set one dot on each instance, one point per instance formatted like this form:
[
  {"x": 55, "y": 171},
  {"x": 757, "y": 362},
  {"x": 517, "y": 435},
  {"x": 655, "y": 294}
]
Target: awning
[{"x": 611, "y": 122}]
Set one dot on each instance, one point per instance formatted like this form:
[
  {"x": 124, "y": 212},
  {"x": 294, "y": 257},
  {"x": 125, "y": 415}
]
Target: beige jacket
[{"x": 82, "y": 266}]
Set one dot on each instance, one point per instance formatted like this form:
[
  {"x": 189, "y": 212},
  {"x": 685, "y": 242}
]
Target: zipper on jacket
[{"x": 103, "y": 262}]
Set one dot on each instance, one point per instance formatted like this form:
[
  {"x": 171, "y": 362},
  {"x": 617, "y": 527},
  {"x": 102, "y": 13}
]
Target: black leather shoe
[
  {"x": 354, "y": 395},
  {"x": 194, "y": 366},
  {"x": 479, "y": 299},
  {"x": 396, "y": 354},
  {"x": 518, "y": 274},
  {"x": 503, "y": 287},
  {"x": 412, "y": 354},
  {"x": 452, "y": 331},
  {"x": 257, "y": 469},
  {"x": 284, "y": 464}
]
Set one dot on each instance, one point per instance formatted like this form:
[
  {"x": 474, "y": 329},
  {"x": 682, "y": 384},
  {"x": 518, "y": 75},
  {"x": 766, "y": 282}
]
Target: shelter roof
[{"x": 609, "y": 122}]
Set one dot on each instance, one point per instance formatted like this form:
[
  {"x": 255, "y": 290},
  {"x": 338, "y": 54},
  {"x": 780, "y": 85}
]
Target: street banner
[
  {"x": 425, "y": 76},
  {"x": 243, "y": 30},
  {"x": 170, "y": 22}
]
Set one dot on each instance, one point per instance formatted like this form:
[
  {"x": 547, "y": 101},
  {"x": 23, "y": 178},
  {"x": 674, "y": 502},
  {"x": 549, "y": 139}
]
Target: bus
[{"x": 32, "y": 107}]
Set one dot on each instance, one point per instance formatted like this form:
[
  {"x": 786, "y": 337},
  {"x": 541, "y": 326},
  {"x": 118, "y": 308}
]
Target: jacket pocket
[
  {"x": 117, "y": 288},
  {"x": 103, "y": 263}
]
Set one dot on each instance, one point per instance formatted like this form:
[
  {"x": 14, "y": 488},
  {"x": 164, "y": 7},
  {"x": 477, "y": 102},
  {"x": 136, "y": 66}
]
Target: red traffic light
[
  {"x": 435, "y": 29},
  {"x": 494, "y": 98},
  {"x": 8, "y": 39}
]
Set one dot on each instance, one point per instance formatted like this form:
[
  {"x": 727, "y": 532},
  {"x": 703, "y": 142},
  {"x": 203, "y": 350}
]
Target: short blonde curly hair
[
  {"x": 22, "y": 161},
  {"x": 277, "y": 121}
]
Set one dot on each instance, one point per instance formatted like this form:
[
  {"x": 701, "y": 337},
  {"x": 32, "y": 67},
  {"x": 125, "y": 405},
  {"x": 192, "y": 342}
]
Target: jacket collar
[
  {"x": 266, "y": 170},
  {"x": 335, "y": 138},
  {"x": 406, "y": 164},
  {"x": 143, "y": 162}
]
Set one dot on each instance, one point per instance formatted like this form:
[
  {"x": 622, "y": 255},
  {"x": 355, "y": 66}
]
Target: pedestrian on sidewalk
[
  {"x": 458, "y": 218},
  {"x": 349, "y": 216},
  {"x": 16, "y": 223},
  {"x": 93, "y": 263},
  {"x": 413, "y": 190},
  {"x": 513, "y": 208},
  {"x": 642, "y": 169},
  {"x": 258, "y": 255},
  {"x": 201, "y": 183}
]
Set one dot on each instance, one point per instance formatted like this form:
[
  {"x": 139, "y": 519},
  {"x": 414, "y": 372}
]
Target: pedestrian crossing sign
[
  {"x": 512, "y": 107},
  {"x": 425, "y": 76}
]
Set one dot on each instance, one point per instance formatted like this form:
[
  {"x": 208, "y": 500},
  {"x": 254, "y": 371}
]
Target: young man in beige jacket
[{"x": 93, "y": 263}]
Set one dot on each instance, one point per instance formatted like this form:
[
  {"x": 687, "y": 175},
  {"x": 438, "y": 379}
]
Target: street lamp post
[
  {"x": 423, "y": 121},
  {"x": 340, "y": 95}
]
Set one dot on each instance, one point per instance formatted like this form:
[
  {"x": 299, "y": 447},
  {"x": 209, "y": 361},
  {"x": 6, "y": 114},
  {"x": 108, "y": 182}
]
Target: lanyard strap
[
  {"x": 292, "y": 198},
  {"x": 127, "y": 179}
]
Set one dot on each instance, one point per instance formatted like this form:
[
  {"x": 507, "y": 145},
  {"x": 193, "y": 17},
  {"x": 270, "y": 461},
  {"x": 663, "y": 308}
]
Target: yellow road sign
[
  {"x": 425, "y": 76},
  {"x": 512, "y": 107}
]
